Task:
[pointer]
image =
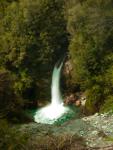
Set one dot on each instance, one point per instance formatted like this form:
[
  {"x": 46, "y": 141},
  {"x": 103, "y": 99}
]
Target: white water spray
[
  {"x": 55, "y": 88},
  {"x": 55, "y": 110}
]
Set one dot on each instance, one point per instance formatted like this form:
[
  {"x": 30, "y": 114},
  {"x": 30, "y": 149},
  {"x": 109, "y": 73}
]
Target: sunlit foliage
[
  {"x": 33, "y": 37},
  {"x": 90, "y": 24}
]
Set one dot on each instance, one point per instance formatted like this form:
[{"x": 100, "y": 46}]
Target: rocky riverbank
[{"x": 88, "y": 133}]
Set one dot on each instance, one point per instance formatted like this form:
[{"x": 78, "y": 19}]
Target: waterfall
[
  {"x": 55, "y": 87},
  {"x": 55, "y": 110}
]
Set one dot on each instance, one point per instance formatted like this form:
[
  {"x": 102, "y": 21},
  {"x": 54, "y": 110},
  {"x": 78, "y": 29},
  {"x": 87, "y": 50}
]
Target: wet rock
[{"x": 92, "y": 132}]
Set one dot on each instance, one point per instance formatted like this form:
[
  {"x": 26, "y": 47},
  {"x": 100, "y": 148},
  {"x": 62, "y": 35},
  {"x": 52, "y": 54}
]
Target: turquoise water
[
  {"x": 74, "y": 113},
  {"x": 56, "y": 112}
]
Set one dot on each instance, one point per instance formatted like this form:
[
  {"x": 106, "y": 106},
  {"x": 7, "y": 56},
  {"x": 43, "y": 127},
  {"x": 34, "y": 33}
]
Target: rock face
[
  {"x": 68, "y": 67},
  {"x": 88, "y": 133}
]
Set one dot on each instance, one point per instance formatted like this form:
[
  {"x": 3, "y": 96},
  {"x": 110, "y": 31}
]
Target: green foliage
[
  {"x": 108, "y": 105},
  {"x": 33, "y": 36},
  {"x": 10, "y": 138},
  {"x": 10, "y": 102},
  {"x": 91, "y": 49}
]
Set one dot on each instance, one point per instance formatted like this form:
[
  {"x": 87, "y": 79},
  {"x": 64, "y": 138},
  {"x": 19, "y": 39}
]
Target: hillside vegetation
[{"x": 34, "y": 35}]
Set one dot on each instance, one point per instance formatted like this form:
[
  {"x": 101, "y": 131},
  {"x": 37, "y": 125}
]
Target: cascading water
[
  {"x": 55, "y": 88},
  {"x": 55, "y": 110}
]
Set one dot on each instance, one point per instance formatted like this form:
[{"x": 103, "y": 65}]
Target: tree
[
  {"x": 33, "y": 36},
  {"x": 91, "y": 27},
  {"x": 9, "y": 101}
]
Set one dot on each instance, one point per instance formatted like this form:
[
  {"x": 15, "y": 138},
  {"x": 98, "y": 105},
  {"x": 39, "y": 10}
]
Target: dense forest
[
  {"x": 35, "y": 34},
  {"x": 90, "y": 24}
]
